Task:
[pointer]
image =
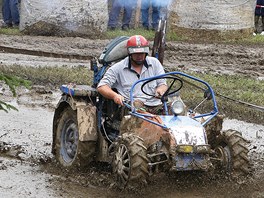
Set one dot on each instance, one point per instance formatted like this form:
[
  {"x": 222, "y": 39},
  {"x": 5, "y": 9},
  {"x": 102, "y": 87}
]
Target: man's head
[{"x": 138, "y": 49}]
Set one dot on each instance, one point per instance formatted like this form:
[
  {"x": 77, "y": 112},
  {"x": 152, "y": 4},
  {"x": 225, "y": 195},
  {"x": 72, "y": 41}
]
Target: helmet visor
[{"x": 133, "y": 50}]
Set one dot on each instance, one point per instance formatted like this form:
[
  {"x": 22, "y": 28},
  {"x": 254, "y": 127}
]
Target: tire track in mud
[{"x": 5, "y": 49}]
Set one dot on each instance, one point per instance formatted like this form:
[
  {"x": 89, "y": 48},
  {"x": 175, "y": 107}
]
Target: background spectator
[
  {"x": 10, "y": 13},
  {"x": 146, "y": 6},
  {"x": 117, "y": 5},
  {"x": 259, "y": 13}
]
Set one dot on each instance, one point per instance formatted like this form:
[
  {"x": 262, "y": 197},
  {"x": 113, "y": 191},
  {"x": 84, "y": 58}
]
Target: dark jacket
[{"x": 259, "y": 11}]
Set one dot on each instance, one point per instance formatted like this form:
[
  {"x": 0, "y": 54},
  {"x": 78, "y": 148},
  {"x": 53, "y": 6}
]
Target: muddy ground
[{"x": 28, "y": 169}]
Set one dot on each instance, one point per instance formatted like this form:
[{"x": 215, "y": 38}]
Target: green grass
[
  {"x": 10, "y": 31},
  {"x": 148, "y": 34},
  {"x": 50, "y": 76}
]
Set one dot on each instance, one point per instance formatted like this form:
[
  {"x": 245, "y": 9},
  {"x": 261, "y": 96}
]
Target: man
[
  {"x": 145, "y": 7},
  {"x": 125, "y": 73},
  {"x": 10, "y": 13},
  {"x": 117, "y": 5}
]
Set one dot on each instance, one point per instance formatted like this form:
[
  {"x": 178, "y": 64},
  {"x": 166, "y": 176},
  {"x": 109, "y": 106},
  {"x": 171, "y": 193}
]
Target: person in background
[
  {"x": 117, "y": 5},
  {"x": 138, "y": 65},
  {"x": 145, "y": 8},
  {"x": 10, "y": 13},
  {"x": 259, "y": 13}
]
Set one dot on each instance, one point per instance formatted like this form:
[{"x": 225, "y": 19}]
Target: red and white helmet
[{"x": 137, "y": 44}]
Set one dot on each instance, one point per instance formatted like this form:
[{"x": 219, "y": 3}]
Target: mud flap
[{"x": 86, "y": 116}]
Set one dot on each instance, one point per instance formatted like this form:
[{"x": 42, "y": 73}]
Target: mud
[{"x": 28, "y": 169}]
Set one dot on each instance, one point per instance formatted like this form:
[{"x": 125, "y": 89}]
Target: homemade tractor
[{"x": 87, "y": 127}]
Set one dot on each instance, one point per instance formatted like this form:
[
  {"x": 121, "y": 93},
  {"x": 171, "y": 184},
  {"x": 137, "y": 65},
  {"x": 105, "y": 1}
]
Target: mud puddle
[{"x": 28, "y": 169}]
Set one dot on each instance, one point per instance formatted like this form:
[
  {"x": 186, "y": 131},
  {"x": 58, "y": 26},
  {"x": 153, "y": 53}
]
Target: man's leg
[
  {"x": 155, "y": 14},
  {"x": 262, "y": 19},
  {"x": 114, "y": 14},
  {"x": 7, "y": 13},
  {"x": 128, "y": 10},
  {"x": 145, "y": 13},
  {"x": 256, "y": 23},
  {"x": 14, "y": 12}
]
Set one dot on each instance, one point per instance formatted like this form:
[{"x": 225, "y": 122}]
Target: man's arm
[{"x": 107, "y": 92}]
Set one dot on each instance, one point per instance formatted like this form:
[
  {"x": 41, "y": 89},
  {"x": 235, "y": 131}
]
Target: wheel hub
[
  {"x": 122, "y": 164},
  {"x": 70, "y": 141},
  {"x": 223, "y": 155}
]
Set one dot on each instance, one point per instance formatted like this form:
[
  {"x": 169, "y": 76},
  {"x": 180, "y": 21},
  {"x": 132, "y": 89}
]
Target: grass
[
  {"x": 258, "y": 39},
  {"x": 50, "y": 76},
  {"x": 10, "y": 31},
  {"x": 173, "y": 36}
]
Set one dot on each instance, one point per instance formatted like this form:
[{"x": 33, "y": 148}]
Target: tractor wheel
[
  {"x": 130, "y": 162},
  {"x": 70, "y": 151},
  {"x": 233, "y": 153}
]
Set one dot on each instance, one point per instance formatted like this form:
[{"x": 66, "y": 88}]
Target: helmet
[{"x": 137, "y": 44}]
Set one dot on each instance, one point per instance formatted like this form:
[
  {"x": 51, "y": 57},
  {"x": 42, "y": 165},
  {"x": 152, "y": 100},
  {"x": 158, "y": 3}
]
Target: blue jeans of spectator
[
  {"x": 10, "y": 12},
  {"x": 117, "y": 5},
  {"x": 145, "y": 6}
]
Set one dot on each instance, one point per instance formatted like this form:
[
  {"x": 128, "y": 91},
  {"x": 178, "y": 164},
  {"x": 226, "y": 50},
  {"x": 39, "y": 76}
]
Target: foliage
[{"x": 12, "y": 82}]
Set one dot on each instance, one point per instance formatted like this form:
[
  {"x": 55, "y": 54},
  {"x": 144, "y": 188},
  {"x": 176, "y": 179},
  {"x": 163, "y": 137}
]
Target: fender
[{"x": 86, "y": 117}]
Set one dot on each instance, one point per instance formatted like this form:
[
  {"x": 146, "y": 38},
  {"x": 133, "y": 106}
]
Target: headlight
[
  {"x": 184, "y": 148},
  {"x": 177, "y": 107}
]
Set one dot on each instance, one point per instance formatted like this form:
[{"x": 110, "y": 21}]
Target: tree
[{"x": 12, "y": 82}]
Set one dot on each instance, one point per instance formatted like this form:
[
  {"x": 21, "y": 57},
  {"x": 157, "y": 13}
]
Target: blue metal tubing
[
  {"x": 98, "y": 73},
  {"x": 213, "y": 113}
]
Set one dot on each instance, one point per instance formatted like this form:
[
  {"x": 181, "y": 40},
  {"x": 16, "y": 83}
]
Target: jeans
[
  {"x": 10, "y": 12},
  {"x": 145, "y": 5},
  {"x": 259, "y": 24},
  {"x": 117, "y": 5}
]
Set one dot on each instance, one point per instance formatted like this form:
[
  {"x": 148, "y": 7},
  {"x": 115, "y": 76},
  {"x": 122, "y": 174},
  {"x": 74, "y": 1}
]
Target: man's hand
[
  {"x": 161, "y": 90},
  {"x": 107, "y": 92},
  {"x": 118, "y": 99}
]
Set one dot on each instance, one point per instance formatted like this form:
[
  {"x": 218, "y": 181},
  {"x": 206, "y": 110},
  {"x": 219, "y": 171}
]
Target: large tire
[
  {"x": 234, "y": 153},
  {"x": 70, "y": 151},
  {"x": 130, "y": 162}
]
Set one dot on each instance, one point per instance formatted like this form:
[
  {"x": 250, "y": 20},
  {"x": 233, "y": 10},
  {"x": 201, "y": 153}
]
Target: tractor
[{"x": 137, "y": 144}]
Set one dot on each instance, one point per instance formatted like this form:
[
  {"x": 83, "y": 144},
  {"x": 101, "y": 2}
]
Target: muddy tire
[
  {"x": 233, "y": 153},
  {"x": 130, "y": 162},
  {"x": 70, "y": 152}
]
